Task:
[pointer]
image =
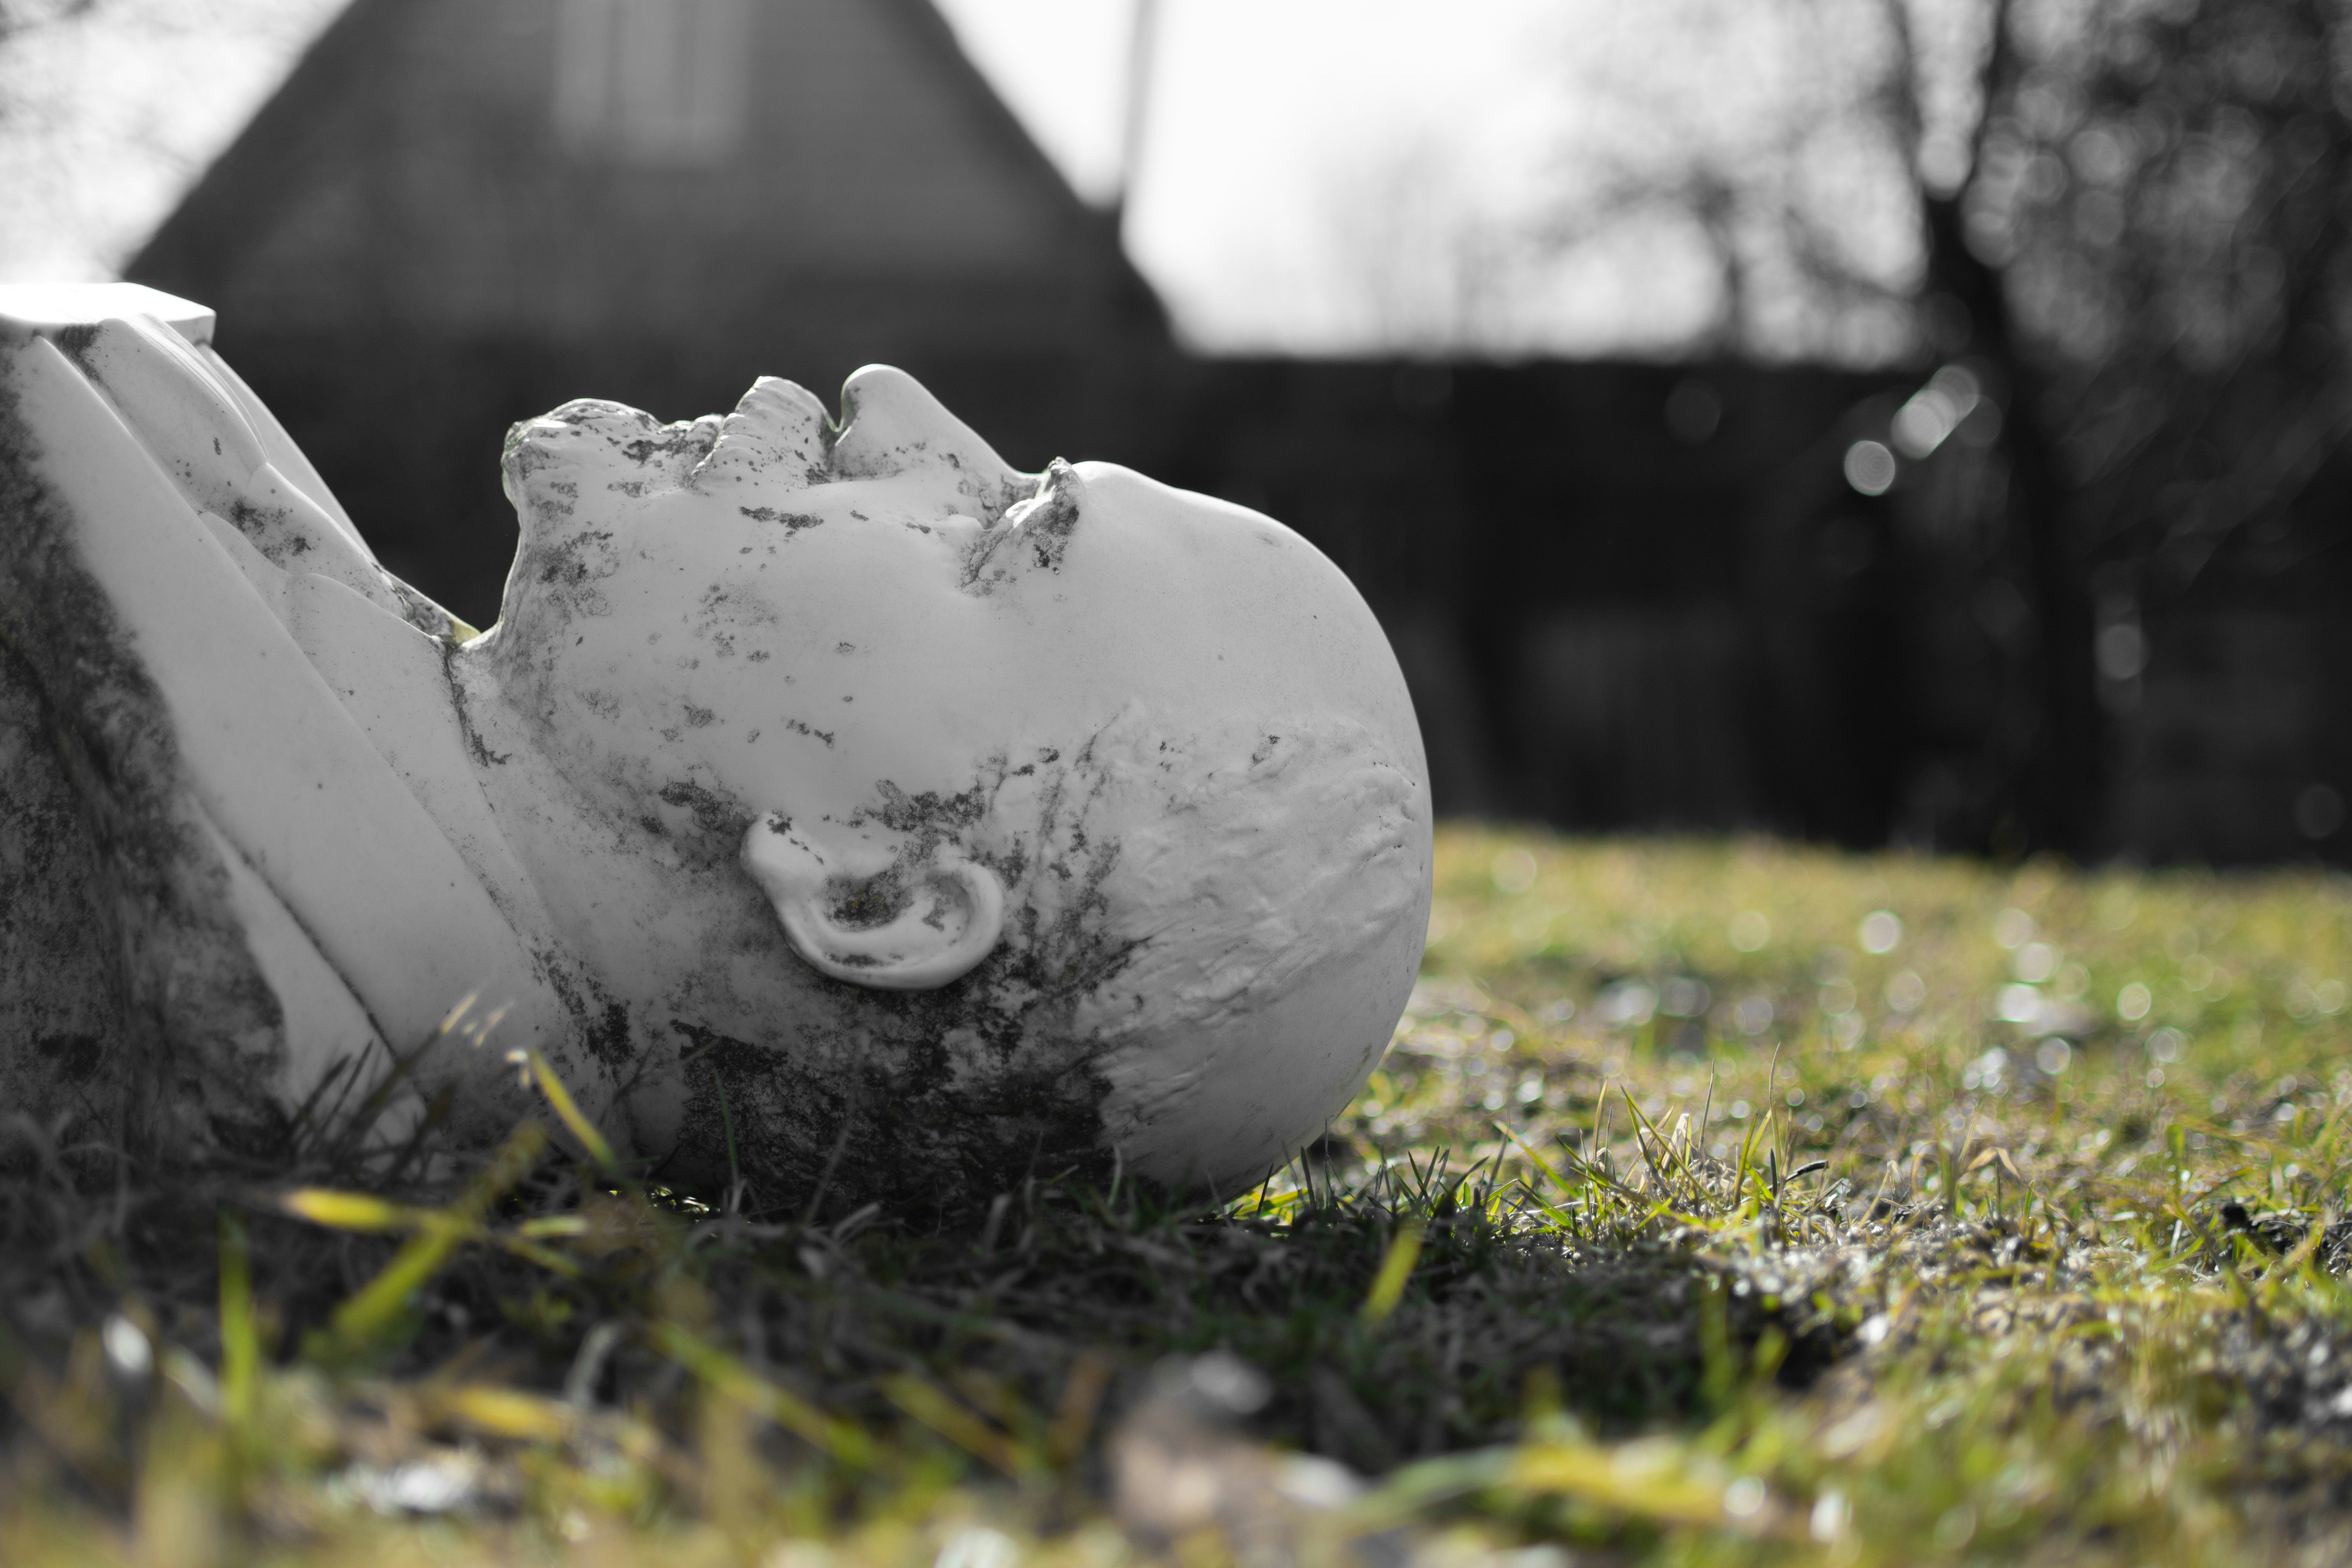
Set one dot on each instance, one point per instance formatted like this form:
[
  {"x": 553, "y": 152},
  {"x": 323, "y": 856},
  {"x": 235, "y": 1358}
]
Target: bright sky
[
  {"x": 1316, "y": 175},
  {"x": 1308, "y": 167}
]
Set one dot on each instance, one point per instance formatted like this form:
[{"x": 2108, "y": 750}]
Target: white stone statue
[{"x": 825, "y": 799}]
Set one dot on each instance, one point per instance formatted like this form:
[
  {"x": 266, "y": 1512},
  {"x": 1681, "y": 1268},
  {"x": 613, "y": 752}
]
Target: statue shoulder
[{"x": 251, "y": 712}]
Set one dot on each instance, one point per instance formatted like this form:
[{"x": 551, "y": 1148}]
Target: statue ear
[{"x": 861, "y": 908}]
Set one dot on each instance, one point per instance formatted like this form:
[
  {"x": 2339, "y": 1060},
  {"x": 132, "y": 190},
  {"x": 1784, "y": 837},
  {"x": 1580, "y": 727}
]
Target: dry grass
[{"x": 1679, "y": 1225}]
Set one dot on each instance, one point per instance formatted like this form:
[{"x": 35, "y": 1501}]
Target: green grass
[{"x": 1677, "y": 1227}]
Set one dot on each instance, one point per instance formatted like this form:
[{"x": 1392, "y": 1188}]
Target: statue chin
[{"x": 828, "y": 798}]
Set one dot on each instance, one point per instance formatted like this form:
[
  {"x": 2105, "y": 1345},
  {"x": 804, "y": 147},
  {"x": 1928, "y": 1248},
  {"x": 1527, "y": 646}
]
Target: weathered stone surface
[
  {"x": 836, "y": 794},
  {"x": 61, "y": 1004}
]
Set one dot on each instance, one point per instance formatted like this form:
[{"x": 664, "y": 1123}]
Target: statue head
[
  {"x": 1047, "y": 818},
  {"x": 834, "y": 803}
]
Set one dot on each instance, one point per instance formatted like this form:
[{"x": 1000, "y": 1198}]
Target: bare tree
[
  {"x": 1964, "y": 309},
  {"x": 1763, "y": 129},
  {"x": 2152, "y": 244},
  {"x": 1426, "y": 269},
  {"x": 2162, "y": 189},
  {"x": 2133, "y": 216}
]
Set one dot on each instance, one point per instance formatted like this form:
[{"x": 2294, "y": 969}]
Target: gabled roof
[{"x": 410, "y": 172}]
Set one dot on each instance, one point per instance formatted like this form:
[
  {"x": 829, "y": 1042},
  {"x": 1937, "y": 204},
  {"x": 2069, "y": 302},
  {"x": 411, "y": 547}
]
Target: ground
[{"x": 1719, "y": 1202}]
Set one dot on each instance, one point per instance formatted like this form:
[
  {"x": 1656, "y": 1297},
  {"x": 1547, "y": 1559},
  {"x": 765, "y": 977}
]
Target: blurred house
[
  {"x": 461, "y": 213},
  {"x": 1626, "y": 596}
]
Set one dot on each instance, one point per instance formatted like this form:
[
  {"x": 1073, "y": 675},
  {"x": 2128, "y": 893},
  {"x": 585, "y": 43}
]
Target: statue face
[
  {"x": 1080, "y": 788},
  {"x": 792, "y": 620}
]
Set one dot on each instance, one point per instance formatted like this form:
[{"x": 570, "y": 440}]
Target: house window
[{"x": 652, "y": 82}]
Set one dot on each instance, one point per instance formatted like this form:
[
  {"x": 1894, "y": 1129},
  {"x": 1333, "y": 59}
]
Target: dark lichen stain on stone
[
  {"x": 713, "y": 813},
  {"x": 60, "y": 937},
  {"x": 800, "y": 727},
  {"x": 863, "y": 903},
  {"x": 562, "y": 564},
  {"x": 1041, "y": 526},
  {"x": 928, "y": 817},
  {"x": 274, "y": 531},
  {"x": 1046, "y": 528},
  {"x": 608, "y": 1037},
  {"x": 77, "y": 341},
  {"x": 907, "y": 1113},
  {"x": 602, "y": 1023},
  {"x": 476, "y": 747},
  {"x": 77, "y": 1055},
  {"x": 201, "y": 1032},
  {"x": 934, "y": 1100},
  {"x": 793, "y": 521}
]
